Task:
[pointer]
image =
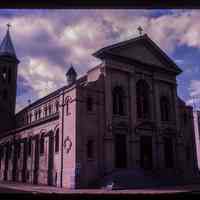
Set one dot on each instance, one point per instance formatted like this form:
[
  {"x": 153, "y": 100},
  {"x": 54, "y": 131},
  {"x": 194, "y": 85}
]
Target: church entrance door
[
  {"x": 146, "y": 152},
  {"x": 168, "y": 152},
  {"x": 120, "y": 151}
]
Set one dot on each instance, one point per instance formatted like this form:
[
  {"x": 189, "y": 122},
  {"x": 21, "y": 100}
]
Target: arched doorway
[
  {"x": 146, "y": 152},
  {"x": 120, "y": 151},
  {"x": 36, "y": 160},
  {"x": 50, "y": 158},
  {"x": 168, "y": 152}
]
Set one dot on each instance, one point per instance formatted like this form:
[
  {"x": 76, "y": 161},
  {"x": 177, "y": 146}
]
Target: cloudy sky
[{"x": 48, "y": 41}]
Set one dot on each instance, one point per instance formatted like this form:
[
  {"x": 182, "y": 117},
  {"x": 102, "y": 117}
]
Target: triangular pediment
[
  {"x": 138, "y": 52},
  {"x": 141, "y": 49}
]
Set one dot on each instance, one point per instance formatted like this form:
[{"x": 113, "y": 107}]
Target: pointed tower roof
[
  {"x": 6, "y": 47},
  {"x": 71, "y": 71}
]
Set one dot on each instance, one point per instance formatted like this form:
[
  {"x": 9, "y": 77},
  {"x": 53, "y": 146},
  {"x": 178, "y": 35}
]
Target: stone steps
[{"x": 136, "y": 178}]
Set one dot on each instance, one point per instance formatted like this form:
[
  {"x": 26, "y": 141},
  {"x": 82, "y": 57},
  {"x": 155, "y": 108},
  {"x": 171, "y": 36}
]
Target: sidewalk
[{"x": 50, "y": 190}]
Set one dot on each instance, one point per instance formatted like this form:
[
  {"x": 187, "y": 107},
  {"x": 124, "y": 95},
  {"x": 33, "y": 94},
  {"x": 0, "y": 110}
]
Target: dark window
[
  {"x": 90, "y": 149},
  {"x": 5, "y": 94},
  {"x": 67, "y": 107},
  {"x": 30, "y": 117},
  {"x": 168, "y": 153},
  {"x": 164, "y": 109},
  {"x": 36, "y": 115},
  {"x": 89, "y": 103},
  {"x": 118, "y": 101},
  {"x": 185, "y": 118},
  {"x": 18, "y": 150},
  {"x": 188, "y": 153},
  {"x": 39, "y": 114},
  {"x": 57, "y": 106},
  {"x": 4, "y": 74},
  {"x": 45, "y": 111},
  {"x": 42, "y": 144},
  {"x": 142, "y": 92},
  {"x": 50, "y": 110},
  {"x": 9, "y": 75},
  {"x": 57, "y": 141},
  {"x": 29, "y": 146}
]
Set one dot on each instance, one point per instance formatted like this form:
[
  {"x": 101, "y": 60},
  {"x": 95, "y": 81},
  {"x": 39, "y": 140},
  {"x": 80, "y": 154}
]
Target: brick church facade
[{"x": 123, "y": 114}]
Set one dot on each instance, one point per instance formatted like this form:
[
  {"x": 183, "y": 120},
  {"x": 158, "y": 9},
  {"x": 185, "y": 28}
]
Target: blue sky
[{"x": 48, "y": 41}]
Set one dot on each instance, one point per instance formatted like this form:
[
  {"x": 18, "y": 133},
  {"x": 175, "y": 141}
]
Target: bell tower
[{"x": 8, "y": 82}]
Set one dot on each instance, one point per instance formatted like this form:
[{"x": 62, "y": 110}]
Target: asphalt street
[{"x": 8, "y": 190}]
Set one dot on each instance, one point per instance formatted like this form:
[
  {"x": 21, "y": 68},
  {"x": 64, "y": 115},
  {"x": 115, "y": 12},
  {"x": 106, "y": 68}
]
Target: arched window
[
  {"x": 57, "y": 106},
  {"x": 57, "y": 141},
  {"x": 118, "y": 101},
  {"x": 67, "y": 106},
  {"x": 42, "y": 144},
  {"x": 89, "y": 103},
  {"x": 142, "y": 92},
  {"x": 9, "y": 75},
  {"x": 164, "y": 108}
]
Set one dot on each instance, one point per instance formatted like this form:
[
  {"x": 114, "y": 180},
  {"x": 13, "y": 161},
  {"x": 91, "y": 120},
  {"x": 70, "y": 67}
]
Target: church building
[{"x": 123, "y": 118}]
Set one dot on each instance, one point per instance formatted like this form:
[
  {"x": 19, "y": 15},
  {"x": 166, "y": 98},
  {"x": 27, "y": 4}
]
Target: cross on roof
[
  {"x": 140, "y": 29},
  {"x": 8, "y": 25}
]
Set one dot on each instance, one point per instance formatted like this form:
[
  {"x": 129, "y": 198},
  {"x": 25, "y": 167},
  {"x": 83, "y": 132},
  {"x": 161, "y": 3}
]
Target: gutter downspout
[{"x": 61, "y": 174}]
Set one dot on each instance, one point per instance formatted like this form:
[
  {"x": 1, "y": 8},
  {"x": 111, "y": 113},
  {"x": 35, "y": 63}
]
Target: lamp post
[{"x": 62, "y": 137}]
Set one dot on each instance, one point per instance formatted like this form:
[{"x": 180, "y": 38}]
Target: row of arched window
[
  {"x": 56, "y": 142},
  {"x": 142, "y": 101},
  {"x": 42, "y": 142},
  {"x": 39, "y": 113}
]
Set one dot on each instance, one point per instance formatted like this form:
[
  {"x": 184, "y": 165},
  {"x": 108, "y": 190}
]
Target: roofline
[
  {"x": 52, "y": 94},
  {"x": 118, "y": 44},
  {"x": 145, "y": 36}
]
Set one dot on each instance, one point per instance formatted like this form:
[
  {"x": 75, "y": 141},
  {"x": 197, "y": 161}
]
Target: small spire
[
  {"x": 8, "y": 25},
  {"x": 71, "y": 75},
  {"x": 6, "y": 47},
  {"x": 140, "y": 30}
]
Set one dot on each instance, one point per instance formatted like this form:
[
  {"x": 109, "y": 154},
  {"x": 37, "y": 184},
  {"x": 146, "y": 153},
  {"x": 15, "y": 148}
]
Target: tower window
[
  {"x": 57, "y": 141},
  {"x": 4, "y": 74},
  {"x": 5, "y": 94},
  {"x": 185, "y": 118},
  {"x": 188, "y": 153},
  {"x": 90, "y": 149},
  {"x": 9, "y": 75},
  {"x": 89, "y": 103}
]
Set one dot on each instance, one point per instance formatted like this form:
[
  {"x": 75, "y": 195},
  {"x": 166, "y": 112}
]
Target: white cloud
[
  {"x": 74, "y": 35},
  {"x": 194, "y": 88}
]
